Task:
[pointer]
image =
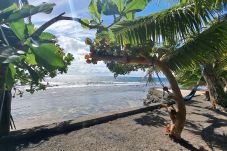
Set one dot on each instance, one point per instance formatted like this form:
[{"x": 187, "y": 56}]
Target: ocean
[
  {"x": 72, "y": 96},
  {"x": 65, "y": 81}
]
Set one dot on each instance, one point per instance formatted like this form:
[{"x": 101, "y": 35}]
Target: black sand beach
[{"x": 205, "y": 130}]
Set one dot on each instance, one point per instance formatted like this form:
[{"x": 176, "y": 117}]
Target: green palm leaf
[
  {"x": 203, "y": 48},
  {"x": 174, "y": 23}
]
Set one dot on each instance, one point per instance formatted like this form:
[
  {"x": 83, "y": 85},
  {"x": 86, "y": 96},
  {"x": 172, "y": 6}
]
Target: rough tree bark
[
  {"x": 216, "y": 91},
  {"x": 178, "y": 116}
]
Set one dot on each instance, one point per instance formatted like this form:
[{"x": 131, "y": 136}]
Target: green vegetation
[{"x": 27, "y": 55}]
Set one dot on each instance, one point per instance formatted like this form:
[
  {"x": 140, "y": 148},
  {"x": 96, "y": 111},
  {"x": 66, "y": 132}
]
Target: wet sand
[{"x": 205, "y": 130}]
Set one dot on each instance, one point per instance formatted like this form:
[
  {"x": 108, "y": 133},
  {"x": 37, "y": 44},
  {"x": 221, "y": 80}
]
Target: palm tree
[
  {"x": 215, "y": 71},
  {"x": 191, "y": 25}
]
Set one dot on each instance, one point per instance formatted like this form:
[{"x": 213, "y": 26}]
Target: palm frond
[
  {"x": 213, "y": 4},
  {"x": 174, "y": 23},
  {"x": 189, "y": 77},
  {"x": 202, "y": 49}
]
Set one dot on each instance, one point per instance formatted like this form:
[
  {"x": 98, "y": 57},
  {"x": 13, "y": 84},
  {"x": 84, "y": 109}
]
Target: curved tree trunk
[
  {"x": 216, "y": 91},
  {"x": 178, "y": 116}
]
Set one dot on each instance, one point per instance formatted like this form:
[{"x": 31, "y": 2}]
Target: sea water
[
  {"x": 85, "y": 81},
  {"x": 70, "y": 96}
]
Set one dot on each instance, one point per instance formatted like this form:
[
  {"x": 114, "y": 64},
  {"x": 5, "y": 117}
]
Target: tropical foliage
[
  {"x": 28, "y": 59},
  {"x": 180, "y": 26},
  {"x": 182, "y": 30},
  {"x": 188, "y": 77},
  {"x": 203, "y": 48},
  {"x": 27, "y": 55}
]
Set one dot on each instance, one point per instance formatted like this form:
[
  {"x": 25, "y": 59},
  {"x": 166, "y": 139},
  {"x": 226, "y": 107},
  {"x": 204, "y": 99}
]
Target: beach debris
[{"x": 153, "y": 96}]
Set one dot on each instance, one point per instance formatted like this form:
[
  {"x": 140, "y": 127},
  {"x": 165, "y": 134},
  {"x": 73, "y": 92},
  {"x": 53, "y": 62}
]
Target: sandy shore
[
  {"x": 205, "y": 130},
  {"x": 60, "y": 104}
]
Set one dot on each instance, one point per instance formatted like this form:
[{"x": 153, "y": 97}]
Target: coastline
[
  {"x": 204, "y": 130},
  {"x": 61, "y": 104}
]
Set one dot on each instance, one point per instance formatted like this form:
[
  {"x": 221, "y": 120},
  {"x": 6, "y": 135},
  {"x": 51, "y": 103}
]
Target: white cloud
[
  {"x": 71, "y": 29},
  {"x": 71, "y": 37}
]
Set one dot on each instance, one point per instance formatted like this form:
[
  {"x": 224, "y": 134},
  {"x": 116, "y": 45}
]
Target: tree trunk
[
  {"x": 216, "y": 91},
  {"x": 178, "y": 116},
  {"x": 5, "y": 103},
  {"x": 225, "y": 84},
  {"x": 5, "y": 114}
]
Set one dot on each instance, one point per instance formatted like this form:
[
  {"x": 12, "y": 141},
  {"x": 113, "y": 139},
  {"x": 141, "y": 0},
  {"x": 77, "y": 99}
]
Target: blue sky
[{"x": 71, "y": 35}]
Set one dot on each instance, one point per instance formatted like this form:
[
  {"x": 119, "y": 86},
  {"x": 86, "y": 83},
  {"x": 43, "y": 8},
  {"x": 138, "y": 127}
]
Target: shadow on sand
[
  {"x": 37, "y": 137},
  {"x": 210, "y": 135},
  {"x": 152, "y": 119},
  {"x": 155, "y": 120}
]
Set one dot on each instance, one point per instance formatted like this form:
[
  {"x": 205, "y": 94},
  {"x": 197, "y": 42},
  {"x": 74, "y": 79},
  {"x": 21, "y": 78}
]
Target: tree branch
[
  {"x": 39, "y": 31},
  {"x": 115, "y": 21},
  {"x": 149, "y": 61}
]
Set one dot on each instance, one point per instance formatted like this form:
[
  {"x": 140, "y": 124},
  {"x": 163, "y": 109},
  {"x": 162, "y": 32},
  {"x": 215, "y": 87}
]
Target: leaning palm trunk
[
  {"x": 216, "y": 91},
  {"x": 178, "y": 115}
]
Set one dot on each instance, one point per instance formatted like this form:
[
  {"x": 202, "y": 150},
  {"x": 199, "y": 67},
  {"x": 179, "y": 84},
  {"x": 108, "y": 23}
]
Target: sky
[{"x": 71, "y": 35}]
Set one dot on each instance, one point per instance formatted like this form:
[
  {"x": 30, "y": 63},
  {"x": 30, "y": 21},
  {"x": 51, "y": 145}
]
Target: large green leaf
[
  {"x": 47, "y": 36},
  {"x": 29, "y": 10},
  {"x": 31, "y": 28},
  {"x": 136, "y": 5},
  {"x": 44, "y": 35},
  {"x": 130, "y": 16},
  {"x": 7, "y": 3},
  {"x": 10, "y": 81},
  {"x": 109, "y": 8},
  {"x": 86, "y": 22},
  {"x": 120, "y": 4},
  {"x": 30, "y": 59},
  {"x": 6, "y": 12},
  {"x": 47, "y": 55},
  {"x": 18, "y": 28},
  {"x": 93, "y": 8}
]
